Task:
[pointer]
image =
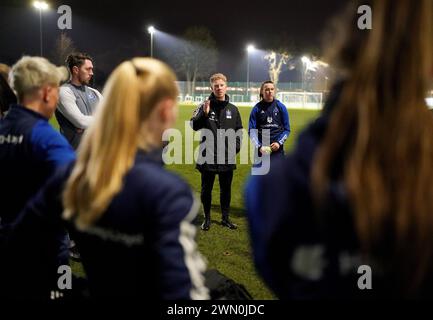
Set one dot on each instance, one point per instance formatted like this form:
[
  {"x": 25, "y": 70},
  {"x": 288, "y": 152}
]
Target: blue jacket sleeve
[
  {"x": 281, "y": 215},
  {"x": 255, "y": 219},
  {"x": 252, "y": 128},
  {"x": 181, "y": 264},
  {"x": 271, "y": 227},
  {"x": 286, "y": 124},
  {"x": 51, "y": 146},
  {"x": 38, "y": 235}
]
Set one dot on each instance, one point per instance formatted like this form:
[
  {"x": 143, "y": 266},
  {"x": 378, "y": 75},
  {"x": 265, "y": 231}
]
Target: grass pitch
[{"x": 227, "y": 250}]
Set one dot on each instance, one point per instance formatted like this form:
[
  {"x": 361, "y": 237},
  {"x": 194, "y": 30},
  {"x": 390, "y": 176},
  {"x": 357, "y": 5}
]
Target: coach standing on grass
[{"x": 216, "y": 115}]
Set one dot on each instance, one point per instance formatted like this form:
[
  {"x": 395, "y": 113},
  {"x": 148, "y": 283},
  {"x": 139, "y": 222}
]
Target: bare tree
[
  {"x": 282, "y": 54},
  {"x": 276, "y": 62},
  {"x": 63, "y": 47},
  {"x": 197, "y": 56}
]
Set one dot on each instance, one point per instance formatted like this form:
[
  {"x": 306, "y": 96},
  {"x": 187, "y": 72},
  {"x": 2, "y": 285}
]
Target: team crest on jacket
[
  {"x": 269, "y": 119},
  {"x": 212, "y": 115},
  {"x": 228, "y": 114}
]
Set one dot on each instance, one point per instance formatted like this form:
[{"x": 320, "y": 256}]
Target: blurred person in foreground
[
  {"x": 131, "y": 218},
  {"x": 357, "y": 190},
  {"x": 30, "y": 152},
  {"x": 30, "y": 149},
  {"x": 7, "y": 96}
]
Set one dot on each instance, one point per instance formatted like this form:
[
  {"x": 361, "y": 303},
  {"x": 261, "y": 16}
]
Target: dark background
[{"x": 113, "y": 31}]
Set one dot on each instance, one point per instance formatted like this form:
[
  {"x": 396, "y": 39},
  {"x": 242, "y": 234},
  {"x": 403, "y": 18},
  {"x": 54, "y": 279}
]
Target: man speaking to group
[{"x": 217, "y": 156}]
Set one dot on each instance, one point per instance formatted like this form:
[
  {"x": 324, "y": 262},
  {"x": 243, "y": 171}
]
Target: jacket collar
[
  {"x": 20, "y": 109},
  {"x": 216, "y": 102},
  {"x": 265, "y": 105},
  {"x": 153, "y": 156}
]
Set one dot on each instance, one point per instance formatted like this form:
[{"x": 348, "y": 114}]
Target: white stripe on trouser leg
[{"x": 193, "y": 259}]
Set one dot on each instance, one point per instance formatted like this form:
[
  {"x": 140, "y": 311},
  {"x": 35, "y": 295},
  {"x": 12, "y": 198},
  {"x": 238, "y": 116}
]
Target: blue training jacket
[
  {"x": 30, "y": 150},
  {"x": 272, "y": 116},
  {"x": 143, "y": 245}
]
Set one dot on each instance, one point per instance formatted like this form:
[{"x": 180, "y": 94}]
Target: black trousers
[{"x": 207, "y": 181}]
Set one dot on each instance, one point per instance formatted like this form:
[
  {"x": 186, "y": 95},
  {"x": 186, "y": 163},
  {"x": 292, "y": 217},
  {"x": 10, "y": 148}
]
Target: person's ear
[
  {"x": 45, "y": 93},
  {"x": 75, "y": 69},
  {"x": 167, "y": 110}
]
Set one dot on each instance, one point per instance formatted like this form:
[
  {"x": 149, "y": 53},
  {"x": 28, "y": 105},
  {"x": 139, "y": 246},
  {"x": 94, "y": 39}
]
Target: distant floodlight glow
[
  {"x": 313, "y": 65},
  {"x": 41, "y": 5},
  {"x": 305, "y": 59},
  {"x": 151, "y": 29},
  {"x": 250, "y": 48}
]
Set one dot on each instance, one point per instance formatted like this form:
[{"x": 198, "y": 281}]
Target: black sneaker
[
  {"x": 73, "y": 252},
  {"x": 227, "y": 223},
  {"x": 206, "y": 224}
]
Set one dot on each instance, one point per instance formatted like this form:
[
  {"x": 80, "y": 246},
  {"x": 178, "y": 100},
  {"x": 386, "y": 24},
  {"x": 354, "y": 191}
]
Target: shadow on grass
[{"x": 216, "y": 214}]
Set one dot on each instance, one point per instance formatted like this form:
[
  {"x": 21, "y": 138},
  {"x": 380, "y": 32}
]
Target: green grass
[
  {"x": 54, "y": 122},
  {"x": 227, "y": 250}
]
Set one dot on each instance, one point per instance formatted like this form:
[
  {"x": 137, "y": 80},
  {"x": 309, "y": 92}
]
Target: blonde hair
[
  {"x": 382, "y": 129},
  {"x": 109, "y": 146},
  {"x": 217, "y": 76},
  {"x": 32, "y": 73}
]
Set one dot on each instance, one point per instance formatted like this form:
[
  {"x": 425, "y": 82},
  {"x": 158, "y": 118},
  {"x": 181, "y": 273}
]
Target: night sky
[{"x": 112, "y": 31}]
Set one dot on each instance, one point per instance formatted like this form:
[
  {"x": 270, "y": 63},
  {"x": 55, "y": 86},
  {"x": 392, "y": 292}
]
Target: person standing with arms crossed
[{"x": 78, "y": 101}]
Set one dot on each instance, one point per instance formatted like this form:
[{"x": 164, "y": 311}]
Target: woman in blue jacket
[
  {"x": 269, "y": 125},
  {"x": 131, "y": 219}
]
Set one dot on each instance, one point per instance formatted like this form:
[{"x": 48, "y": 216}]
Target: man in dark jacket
[{"x": 221, "y": 138}]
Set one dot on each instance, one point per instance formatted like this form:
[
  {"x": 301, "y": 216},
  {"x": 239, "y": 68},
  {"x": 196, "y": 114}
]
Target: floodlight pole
[
  {"x": 248, "y": 76},
  {"x": 249, "y": 48},
  {"x": 151, "y": 44},
  {"x": 40, "y": 31},
  {"x": 40, "y": 5},
  {"x": 151, "y": 31}
]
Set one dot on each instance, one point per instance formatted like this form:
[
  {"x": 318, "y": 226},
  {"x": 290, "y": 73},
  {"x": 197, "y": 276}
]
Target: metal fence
[{"x": 290, "y": 93}]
